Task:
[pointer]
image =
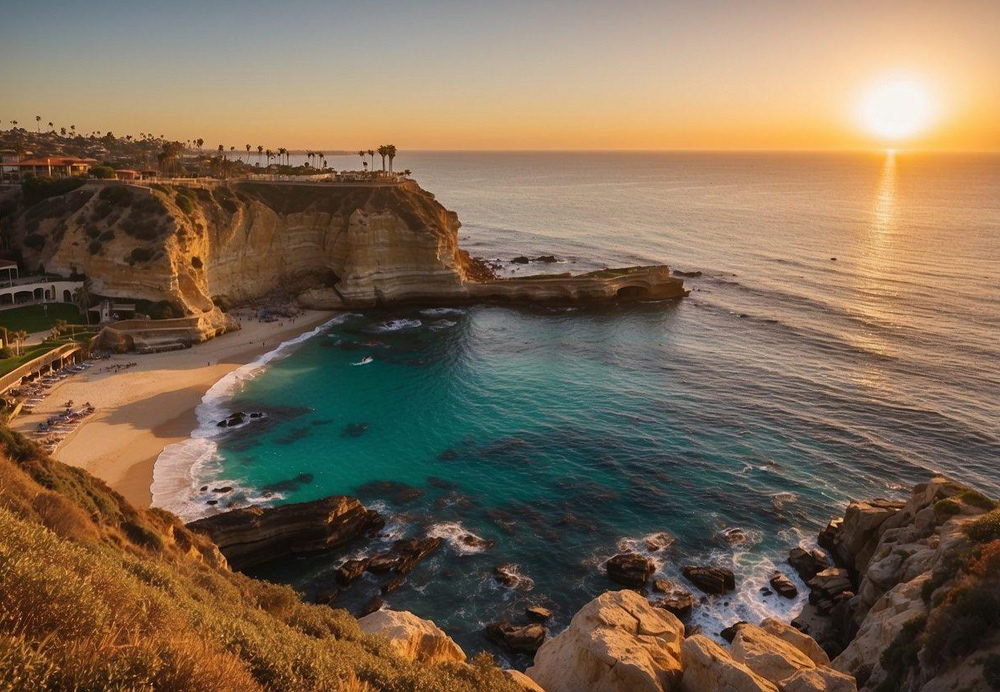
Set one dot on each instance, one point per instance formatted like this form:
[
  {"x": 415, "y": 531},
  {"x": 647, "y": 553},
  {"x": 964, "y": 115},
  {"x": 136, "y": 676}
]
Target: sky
[{"x": 502, "y": 74}]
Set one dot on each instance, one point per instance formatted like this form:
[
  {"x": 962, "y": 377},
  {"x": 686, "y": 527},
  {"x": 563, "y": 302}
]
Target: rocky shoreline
[{"x": 887, "y": 570}]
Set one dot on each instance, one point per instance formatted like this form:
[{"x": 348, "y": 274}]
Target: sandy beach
[{"x": 143, "y": 408}]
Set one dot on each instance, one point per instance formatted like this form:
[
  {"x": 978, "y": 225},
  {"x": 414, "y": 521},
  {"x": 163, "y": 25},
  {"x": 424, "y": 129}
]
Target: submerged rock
[
  {"x": 354, "y": 430},
  {"x": 808, "y": 563},
  {"x": 658, "y": 541},
  {"x": 630, "y": 569},
  {"x": 351, "y": 570},
  {"x": 538, "y": 613},
  {"x": 403, "y": 556},
  {"x": 253, "y": 535},
  {"x": 507, "y": 574}
]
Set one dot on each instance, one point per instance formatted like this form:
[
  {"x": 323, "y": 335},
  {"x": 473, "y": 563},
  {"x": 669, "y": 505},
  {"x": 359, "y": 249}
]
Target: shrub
[
  {"x": 101, "y": 210},
  {"x": 901, "y": 656},
  {"x": 35, "y": 241},
  {"x": 139, "y": 255},
  {"x": 185, "y": 204},
  {"x": 107, "y": 235},
  {"x": 34, "y": 190},
  {"x": 102, "y": 172},
  {"x": 95, "y": 247},
  {"x": 986, "y": 528},
  {"x": 6, "y": 352},
  {"x": 196, "y": 262},
  {"x": 92, "y": 231},
  {"x": 966, "y": 618},
  {"x": 977, "y": 499},
  {"x": 117, "y": 195},
  {"x": 986, "y": 564},
  {"x": 947, "y": 507}
]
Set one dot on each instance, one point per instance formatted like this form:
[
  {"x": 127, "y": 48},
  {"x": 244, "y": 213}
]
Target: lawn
[
  {"x": 31, "y": 352},
  {"x": 39, "y": 318}
]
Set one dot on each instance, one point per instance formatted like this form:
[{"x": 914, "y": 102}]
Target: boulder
[
  {"x": 413, "y": 638},
  {"x": 711, "y": 580},
  {"x": 516, "y": 638},
  {"x": 253, "y": 535},
  {"x": 709, "y": 668},
  {"x": 807, "y": 563},
  {"x": 374, "y": 604},
  {"x": 820, "y": 680},
  {"x": 678, "y": 602},
  {"x": 403, "y": 556},
  {"x": 729, "y": 633},
  {"x": 351, "y": 570},
  {"x": 800, "y": 640},
  {"x": 616, "y": 643},
  {"x": 858, "y": 536},
  {"x": 768, "y": 656},
  {"x": 538, "y": 613},
  {"x": 507, "y": 574},
  {"x": 829, "y": 587},
  {"x": 783, "y": 585},
  {"x": 663, "y": 585},
  {"x": 660, "y": 540},
  {"x": 630, "y": 569}
]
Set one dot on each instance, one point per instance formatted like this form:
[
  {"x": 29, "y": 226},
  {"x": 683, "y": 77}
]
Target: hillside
[{"x": 98, "y": 595}]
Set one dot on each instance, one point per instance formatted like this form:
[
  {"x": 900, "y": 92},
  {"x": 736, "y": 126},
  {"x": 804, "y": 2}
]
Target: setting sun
[{"x": 896, "y": 109}]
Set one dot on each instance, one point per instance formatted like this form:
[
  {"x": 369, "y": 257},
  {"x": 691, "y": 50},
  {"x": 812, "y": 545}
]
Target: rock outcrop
[
  {"x": 253, "y": 535},
  {"x": 413, "y": 638},
  {"x": 616, "y": 643}
]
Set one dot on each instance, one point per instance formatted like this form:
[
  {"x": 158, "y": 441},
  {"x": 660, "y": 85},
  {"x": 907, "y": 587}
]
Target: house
[
  {"x": 8, "y": 165},
  {"x": 56, "y": 166},
  {"x": 8, "y": 273},
  {"x": 127, "y": 174}
]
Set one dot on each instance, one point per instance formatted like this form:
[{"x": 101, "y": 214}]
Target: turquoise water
[{"x": 786, "y": 384}]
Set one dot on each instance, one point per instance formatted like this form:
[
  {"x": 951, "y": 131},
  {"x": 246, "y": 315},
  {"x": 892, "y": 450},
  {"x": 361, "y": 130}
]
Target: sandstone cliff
[{"x": 198, "y": 246}]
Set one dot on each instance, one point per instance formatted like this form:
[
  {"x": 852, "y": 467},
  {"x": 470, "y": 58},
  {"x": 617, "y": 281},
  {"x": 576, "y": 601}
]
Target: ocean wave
[
  {"x": 396, "y": 325},
  {"x": 443, "y": 324},
  {"x": 179, "y": 466},
  {"x": 364, "y": 361},
  {"x": 442, "y": 312},
  {"x": 459, "y": 539}
]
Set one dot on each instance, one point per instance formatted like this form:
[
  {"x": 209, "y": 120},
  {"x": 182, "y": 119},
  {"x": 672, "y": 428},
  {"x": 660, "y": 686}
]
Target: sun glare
[{"x": 896, "y": 109}]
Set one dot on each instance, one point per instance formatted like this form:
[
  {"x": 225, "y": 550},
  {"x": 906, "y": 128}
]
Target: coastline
[{"x": 143, "y": 408}]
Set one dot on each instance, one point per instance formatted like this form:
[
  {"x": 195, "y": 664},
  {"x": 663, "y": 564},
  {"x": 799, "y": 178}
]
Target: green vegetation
[
  {"x": 139, "y": 255},
  {"x": 38, "y": 318},
  {"x": 34, "y": 190},
  {"x": 102, "y": 172},
  {"x": 901, "y": 656},
  {"x": 95, "y": 247},
  {"x": 35, "y": 241},
  {"x": 96, "y": 594},
  {"x": 986, "y": 528},
  {"x": 974, "y": 498}
]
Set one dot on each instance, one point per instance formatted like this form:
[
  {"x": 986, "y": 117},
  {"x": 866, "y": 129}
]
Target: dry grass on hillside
[{"x": 97, "y": 595}]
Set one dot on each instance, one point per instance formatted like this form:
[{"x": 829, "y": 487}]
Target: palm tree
[
  {"x": 62, "y": 131},
  {"x": 199, "y": 142},
  {"x": 222, "y": 150},
  {"x": 51, "y": 125},
  {"x": 390, "y": 151},
  {"x": 260, "y": 151},
  {"x": 320, "y": 155},
  {"x": 83, "y": 298},
  {"x": 18, "y": 338},
  {"x": 248, "y": 154},
  {"x": 38, "y": 123},
  {"x": 269, "y": 154},
  {"x": 57, "y": 328},
  {"x": 407, "y": 173},
  {"x": 362, "y": 153},
  {"x": 371, "y": 153},
  {"x": 283, "y": 152},
  {"x": 383, "y": 151}
]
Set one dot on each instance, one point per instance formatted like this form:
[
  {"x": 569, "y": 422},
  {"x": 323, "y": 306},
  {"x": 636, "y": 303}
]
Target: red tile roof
[{"x": 57, "y": 161}]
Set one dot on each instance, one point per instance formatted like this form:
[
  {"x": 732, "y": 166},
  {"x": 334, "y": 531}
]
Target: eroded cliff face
[{"x": 196, "y": 247}]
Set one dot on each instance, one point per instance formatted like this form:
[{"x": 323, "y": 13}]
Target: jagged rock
[
  {"x": 663, "y": 585},
  {"x": 729, "y": 633},
  {"x": 807, "y": 563},
  {"x": 783, "y": 585},
  {"x": 819, "y": 680},
  {"x": 374, "y": 604},
  {"x": 858, "y": 536},
  {"x": 711, "y": 580},
  {"x": 692, "y": 275},
  {"x": 660, "y": 540},
  {"x": 238, "y": 418},
  {"x": 253, "y": 535},
  {"x": 678, "y": 602},
  {"x": 630, "y": 569},
  {"x": 709, "y": 668},
  {"x": 801, "y": 641},
  {"x": 768, "y": 656},
  {"x": 507, "y": 574},
  {"x": 525, "y": 683},
  {"x": 413, "y": 638},
  {"x": 520, "y": 259},
  {"x": 546, "y": 259},
  {"x": 403, "y": 556},
  {"x": 538, "y": 613},
  {"x": 615, "y": 643},
  {"x": 326, "y": 594},
  {"x": 516, "y": 638},
  {"x": 351, "y": 570},
  {"x": 392, "y": 584},
  {"x": 829, "y": 587}
]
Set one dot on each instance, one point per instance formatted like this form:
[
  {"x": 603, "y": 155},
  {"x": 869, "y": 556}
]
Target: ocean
[{"x": 842, "y": 341}]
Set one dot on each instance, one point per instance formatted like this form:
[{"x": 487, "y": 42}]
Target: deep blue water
[{"x": 786, "y": 384}]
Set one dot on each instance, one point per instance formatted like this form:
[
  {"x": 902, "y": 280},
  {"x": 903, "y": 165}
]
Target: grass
[
  {"x": 96, "y": 594},
  {"x": 39, "y": 318},
  {"x": 29, "y": 352}
]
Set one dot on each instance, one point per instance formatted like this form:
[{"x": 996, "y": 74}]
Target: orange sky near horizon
[{"x": 591, "y": 74}]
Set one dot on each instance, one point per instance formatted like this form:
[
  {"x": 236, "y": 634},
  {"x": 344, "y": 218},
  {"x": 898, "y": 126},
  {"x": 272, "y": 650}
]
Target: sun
[{"x": 896, "y": 109}]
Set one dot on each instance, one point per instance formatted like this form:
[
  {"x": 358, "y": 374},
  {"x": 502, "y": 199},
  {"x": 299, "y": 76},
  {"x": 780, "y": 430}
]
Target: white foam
[
  {"x": 458, "y": 538},
  {"x": 179, "y": 466},
  {"x": 396, "y": 325},
  {"x": 443, "y": 324},
  {"x": 364, "y": 361}
]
